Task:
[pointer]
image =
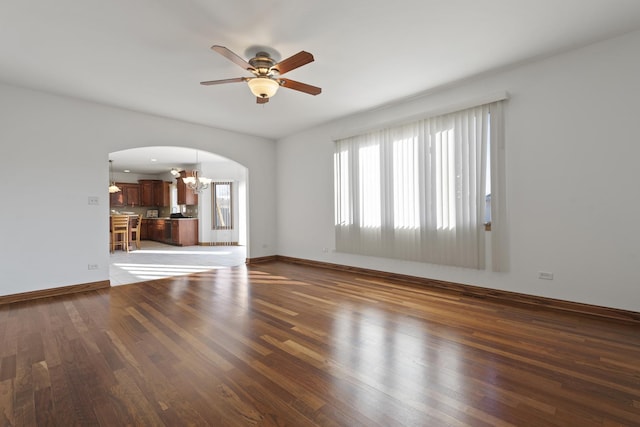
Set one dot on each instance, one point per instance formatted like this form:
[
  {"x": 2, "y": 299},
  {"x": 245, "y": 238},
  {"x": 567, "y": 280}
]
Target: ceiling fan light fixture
[{"x": 263, "y": 87}]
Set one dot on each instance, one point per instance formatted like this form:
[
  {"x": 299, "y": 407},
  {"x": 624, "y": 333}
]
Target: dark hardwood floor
[{"x": 278, "y": 344}]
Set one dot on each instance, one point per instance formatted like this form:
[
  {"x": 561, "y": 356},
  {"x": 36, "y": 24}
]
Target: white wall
[
  {"x": 572, "y": 153},
  {"x": 54, "y": 155}
]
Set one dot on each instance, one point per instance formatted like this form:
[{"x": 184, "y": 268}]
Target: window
[
  {"x": 419, "y": 191},
  {"x": 222, "y": 196}
]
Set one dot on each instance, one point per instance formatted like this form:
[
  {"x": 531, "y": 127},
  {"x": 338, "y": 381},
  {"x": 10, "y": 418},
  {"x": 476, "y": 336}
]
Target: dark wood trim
[
  {"x": 54, "y": 292},
  {"x": 262, "y": 259},
  {"x": 480, "y": 292},
  {"x": 218, "y": 244}
]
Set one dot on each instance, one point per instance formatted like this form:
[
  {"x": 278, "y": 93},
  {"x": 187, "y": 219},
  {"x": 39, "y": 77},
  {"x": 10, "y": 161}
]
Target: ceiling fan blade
[
  {"x": 232, "y": 57},
  {"x": 298, "y": 60},
  {"x": 217, "y": 82},
  {"x": 260, "y": 100},
  {"x": 302, "y": 87}
]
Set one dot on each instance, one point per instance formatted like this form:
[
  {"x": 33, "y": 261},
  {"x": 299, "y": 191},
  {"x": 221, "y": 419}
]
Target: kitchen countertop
[{"x": 166, "y": 217}]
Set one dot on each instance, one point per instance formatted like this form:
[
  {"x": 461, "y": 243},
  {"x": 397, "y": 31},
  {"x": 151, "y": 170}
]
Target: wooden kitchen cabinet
[
  {"x": 154, "y": 192},
  {"x": 185, "y": 195},
  {"x": 180, "y": 232},
  {"x": 146, "y": 192},
  {"x": 155, "y": 228},
  {"x": 144, "y": 229},
  {"x": 162, "y": 194},
  {"x": 184, "y": 232},
  {"x": 116, "y": 199},
  {"x": 129, "y": 195}
]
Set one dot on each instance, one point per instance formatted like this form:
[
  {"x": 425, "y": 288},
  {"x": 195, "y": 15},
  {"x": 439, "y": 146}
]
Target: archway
[{"x": 163, "y": 257}]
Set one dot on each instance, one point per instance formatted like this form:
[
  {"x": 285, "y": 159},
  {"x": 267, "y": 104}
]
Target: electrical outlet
[
  {"x": 93, "y": 200},
  {"x": 545, "y": 275},
  {"x": 92, "y": 266}
]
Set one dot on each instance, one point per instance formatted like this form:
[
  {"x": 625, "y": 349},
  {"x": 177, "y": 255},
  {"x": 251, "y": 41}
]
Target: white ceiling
[
  {"x": 156, "y": 160},
  {"x": 150, "y": 55}
]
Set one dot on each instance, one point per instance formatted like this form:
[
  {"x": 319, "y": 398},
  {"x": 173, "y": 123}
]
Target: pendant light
[{"x": 113, "y": 188}]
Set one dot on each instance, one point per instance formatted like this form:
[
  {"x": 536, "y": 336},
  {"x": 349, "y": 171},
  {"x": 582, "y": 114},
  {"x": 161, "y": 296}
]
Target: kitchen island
[{"x": 173, "y": 231}]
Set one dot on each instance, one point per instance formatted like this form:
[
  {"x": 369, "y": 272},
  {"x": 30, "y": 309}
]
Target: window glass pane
[{"x": 222, "y": 205}]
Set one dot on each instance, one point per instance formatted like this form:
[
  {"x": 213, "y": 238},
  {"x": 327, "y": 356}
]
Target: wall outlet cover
[{"x": 545, "y": 275}]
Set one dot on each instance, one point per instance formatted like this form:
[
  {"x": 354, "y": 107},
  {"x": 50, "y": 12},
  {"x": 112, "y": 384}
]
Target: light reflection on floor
[
  {"x": 156, "y": 261},
  {"x": 388, "y": 352}
]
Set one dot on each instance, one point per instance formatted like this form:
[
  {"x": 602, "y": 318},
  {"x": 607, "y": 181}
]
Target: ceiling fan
[{"x": 266, "y": 81}]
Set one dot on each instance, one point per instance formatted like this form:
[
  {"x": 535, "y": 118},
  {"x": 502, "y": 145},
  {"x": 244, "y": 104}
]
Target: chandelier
[
  {"x": 195, "y": 182},
  {"x": 113, "y": 188}
]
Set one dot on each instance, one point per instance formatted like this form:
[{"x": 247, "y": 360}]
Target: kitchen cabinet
[
  {"x": 179, "y": 232},
  {"x": 116, "y": 199},
  {"x": 129, "y": 195},
  {"x": 144, "y": 229},
  {"x": 146, "y": 192},
  {"x": 162, "y": 194},
  {"x": 184, "y": 232},
  {"x": 154, "y": 192},
  {"x": 186, "y": 196},
  {"x": 155, "y": 230}
]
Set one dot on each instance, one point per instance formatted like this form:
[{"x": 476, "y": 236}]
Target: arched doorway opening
[{"x": 165, "y": 219}]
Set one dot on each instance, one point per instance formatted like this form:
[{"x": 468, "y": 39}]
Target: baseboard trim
[
  {"x": 218, "y": 244},
  {"x": 480, "y": 292},
  {"x": 54, "y": 292},
  {"x": 261, "y": 259}
]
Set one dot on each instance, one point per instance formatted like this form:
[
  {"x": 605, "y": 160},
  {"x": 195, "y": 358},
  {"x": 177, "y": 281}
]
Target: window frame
[{"x": 215, "y": 215}]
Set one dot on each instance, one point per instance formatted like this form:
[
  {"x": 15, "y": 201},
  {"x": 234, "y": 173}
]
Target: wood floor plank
[
  {"x": 277, "y": 344},
  {"x": 7, "y": 396}
]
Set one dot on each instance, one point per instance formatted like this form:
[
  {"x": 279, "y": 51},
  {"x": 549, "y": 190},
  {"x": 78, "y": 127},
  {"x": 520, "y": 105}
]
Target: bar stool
[
  {"x": 136, "y": 221},
  {"x": 119, "y": 227}
]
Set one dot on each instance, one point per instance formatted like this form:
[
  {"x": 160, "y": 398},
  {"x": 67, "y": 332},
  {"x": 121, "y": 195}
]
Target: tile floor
[{"x": 156, "y": 260}]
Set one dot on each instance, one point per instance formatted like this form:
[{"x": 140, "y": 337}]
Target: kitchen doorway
[{"x": 139, "y": 171}]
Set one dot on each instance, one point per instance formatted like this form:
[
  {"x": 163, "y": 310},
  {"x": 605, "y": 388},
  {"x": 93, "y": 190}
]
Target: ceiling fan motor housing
[{"x": 263, "y": 63}]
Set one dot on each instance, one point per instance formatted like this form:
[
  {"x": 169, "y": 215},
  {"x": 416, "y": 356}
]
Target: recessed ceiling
[{"x": 150, "y": 55}]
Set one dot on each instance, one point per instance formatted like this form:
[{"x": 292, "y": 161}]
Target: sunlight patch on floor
[
  {"x": 157, "y": 260},
  {"x": 156, "y": 271},
  {"x": 168, "y": 252},
  {"x": 165, "y": 267}
]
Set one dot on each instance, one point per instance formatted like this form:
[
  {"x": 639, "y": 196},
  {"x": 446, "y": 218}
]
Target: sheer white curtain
[{"x": 417, "y": 191}]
